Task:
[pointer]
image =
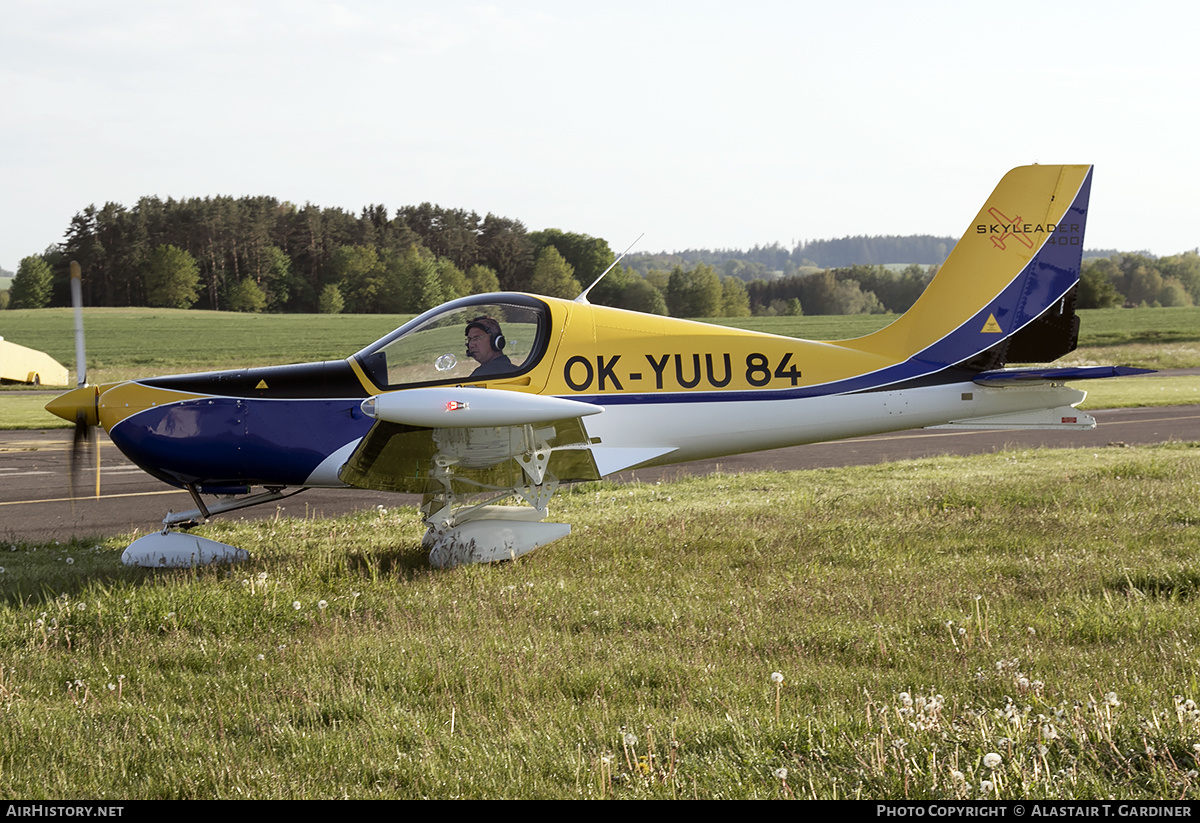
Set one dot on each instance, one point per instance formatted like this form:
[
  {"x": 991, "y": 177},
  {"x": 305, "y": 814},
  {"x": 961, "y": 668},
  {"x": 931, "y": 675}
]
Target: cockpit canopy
[{"x": 431, "y": 349}]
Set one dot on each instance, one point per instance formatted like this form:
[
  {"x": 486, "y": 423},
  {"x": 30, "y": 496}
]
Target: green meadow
[
  {"x": 1014, "y": 625},
  {"x": 123, "y": 344},
  {"x": 1008, "y": 626}
]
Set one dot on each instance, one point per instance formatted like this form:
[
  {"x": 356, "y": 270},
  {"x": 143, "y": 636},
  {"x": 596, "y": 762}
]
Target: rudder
[{"x": 1006, "y": 293}]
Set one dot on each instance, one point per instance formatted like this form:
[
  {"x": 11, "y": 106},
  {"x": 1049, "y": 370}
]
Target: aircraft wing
[{"x": 478, "y": 440}]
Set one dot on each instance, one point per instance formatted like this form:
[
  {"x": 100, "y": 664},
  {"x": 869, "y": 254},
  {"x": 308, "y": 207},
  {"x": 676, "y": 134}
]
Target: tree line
[{"x": 259, "y": 254}]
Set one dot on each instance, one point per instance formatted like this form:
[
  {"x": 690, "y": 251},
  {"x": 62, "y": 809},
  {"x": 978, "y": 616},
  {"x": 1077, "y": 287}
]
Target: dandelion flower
[{"x": 992, "y": 760}]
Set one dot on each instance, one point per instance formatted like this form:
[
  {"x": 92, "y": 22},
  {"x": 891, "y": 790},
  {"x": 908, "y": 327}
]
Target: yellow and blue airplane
[{"x": 553, "y": 391}]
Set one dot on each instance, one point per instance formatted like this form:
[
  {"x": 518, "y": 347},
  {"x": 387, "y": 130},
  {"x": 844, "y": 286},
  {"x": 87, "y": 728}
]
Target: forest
[{"x": 256, "y": 254}]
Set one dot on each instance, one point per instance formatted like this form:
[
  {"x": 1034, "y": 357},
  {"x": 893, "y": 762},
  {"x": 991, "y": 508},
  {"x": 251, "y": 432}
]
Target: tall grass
[{"x": 1022, "y": 624}]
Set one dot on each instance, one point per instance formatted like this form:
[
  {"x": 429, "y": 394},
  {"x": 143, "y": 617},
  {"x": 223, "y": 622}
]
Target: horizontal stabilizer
[
  {"x": 1064, "y": 417},
  {"x": 1024, "y": 377}
]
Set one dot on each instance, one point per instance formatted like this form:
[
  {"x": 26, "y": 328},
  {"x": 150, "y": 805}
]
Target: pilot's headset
[{"x": 491, "y": 327}]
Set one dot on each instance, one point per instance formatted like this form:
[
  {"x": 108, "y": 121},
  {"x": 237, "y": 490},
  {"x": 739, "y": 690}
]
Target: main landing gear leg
[{"x": 459, "y": 534}]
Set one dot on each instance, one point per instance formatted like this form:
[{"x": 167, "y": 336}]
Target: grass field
[
  {"x": 130, "y": 343},
  {"x": 1001, "y": 626},
  {"x": 1010, "y": 626}
]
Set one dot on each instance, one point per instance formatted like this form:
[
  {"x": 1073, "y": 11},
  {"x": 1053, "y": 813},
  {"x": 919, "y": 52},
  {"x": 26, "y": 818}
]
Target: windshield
[{"x": 475, "y": 338}]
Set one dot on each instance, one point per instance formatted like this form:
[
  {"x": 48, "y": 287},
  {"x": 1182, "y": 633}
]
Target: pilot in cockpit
[{"x": 485, "y": 344}]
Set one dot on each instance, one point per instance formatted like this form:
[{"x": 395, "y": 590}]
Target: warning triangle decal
[
  {"x": 262, "y": 384},
  {"x": 991, "y": 326}
]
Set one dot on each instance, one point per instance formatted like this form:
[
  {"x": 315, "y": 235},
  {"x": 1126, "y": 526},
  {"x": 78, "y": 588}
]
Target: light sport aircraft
[{"x": 584, "y": 391}]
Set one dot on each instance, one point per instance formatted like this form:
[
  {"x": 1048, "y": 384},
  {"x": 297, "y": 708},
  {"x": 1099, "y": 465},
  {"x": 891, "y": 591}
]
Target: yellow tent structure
[{"x": 19, "y": 364}]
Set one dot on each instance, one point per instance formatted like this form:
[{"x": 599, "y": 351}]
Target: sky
[{"x": 695, "y": 124}]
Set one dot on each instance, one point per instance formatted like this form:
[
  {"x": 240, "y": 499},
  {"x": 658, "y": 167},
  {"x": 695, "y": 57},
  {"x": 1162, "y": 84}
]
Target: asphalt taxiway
[{"x": 37, "y": 504}]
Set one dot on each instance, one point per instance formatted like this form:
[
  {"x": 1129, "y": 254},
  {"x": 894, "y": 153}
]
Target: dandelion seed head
[
  {"x": 1112, "y": 699},
  {"x": 777, "y": 678},
  {"x": 630, "y": 739},
  {"x": 957, "y": 776},
  {"x": 992, "y": 760},
  {"x": 986, "y": 786},
  {"x": 780, "y": 773},
  {"x": 296, "y": 605},
  {"x": 322, "y": 605},
  {"x": 70, "y": 561}
]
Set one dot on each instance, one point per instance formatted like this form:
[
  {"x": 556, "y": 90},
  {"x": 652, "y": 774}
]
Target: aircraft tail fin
[{"x": 1006, "y": 293}]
